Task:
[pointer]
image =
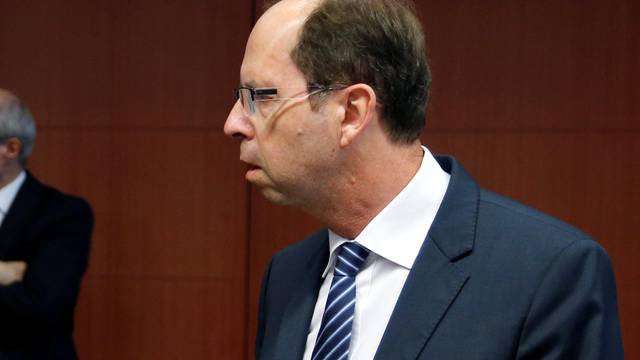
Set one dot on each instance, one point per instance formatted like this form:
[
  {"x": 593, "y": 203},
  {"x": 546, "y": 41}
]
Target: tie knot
[{"x": 351, "y": 256}]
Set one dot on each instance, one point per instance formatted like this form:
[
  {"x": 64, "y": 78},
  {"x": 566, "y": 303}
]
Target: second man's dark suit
[
  {"x": 493, "y": 280},
  {"x": 51, "y": 232}
]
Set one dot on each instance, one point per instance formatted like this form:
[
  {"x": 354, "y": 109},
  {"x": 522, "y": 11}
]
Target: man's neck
[
  {"x": 9, "y": 174},
  {"x": 367, "y": 189}
]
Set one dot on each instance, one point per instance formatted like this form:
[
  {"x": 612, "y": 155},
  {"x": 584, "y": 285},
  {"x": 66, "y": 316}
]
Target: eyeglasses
[{"x": 250, "y": 96}]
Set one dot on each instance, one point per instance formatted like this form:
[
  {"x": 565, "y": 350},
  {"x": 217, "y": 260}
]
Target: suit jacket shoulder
[
  {"x": 35, "y": 210},
  {"x": 505, "y": 280}
]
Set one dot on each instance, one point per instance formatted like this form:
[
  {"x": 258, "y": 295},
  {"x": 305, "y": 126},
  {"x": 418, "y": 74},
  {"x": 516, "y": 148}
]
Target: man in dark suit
[
  {"x": 44, "y": 249},
  {"x": 417, "y": 261}
]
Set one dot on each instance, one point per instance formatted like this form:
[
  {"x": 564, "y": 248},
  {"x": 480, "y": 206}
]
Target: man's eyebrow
[
  {"x": 253, "y": 85},
  {"x": 248, "y": 84}
]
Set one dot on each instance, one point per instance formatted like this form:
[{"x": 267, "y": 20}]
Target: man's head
[
  {"x": 326, "y": 82},
  {"x": 17, "y": 132}
]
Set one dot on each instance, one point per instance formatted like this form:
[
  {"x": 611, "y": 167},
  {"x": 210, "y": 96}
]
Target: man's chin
[
  {"x": 266, "y": 187},
  {"x": 275, "y": 196}
]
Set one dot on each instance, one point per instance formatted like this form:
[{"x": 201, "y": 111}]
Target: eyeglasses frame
[{"x": 312, "y": 89}]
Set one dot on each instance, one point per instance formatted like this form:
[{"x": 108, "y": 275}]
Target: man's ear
[
  {"x": 11, "y": 148},
  {"x": 359, "y": 108}
]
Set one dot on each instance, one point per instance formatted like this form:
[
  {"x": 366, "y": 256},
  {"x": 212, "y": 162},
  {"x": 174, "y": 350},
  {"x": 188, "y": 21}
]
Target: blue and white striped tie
[{"x": 334, "y": 336}]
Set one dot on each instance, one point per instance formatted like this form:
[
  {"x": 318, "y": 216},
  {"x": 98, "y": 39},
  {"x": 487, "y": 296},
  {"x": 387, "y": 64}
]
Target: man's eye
[{"x": 263, "y": 97}]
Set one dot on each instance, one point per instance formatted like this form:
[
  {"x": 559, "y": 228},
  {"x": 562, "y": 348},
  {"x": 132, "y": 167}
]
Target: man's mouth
[
  {"x": 250, "y": 165},
  {"x": 251, "y": 171},
  {"x": 252, "y": 168}
]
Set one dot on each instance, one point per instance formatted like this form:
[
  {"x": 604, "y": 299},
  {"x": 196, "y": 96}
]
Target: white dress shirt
[
  {"x": 8, "y": 193},
  {"x": 394, "y": 238}
]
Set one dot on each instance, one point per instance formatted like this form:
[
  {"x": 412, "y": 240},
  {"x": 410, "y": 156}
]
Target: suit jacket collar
[
  {"x": 454, "y": 228},
  {"x": 436, "y": 279},
  {"x": 20, "y": 212}
]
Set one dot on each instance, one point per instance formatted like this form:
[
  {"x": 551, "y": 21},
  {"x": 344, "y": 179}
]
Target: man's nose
[{"x": 238, "y": 125}]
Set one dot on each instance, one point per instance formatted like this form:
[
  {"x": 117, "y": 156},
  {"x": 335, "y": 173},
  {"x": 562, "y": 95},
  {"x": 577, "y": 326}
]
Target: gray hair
[{"x": 16, "y": 121}]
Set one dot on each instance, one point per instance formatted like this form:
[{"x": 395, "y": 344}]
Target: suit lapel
[
  {"x": 20, "y": 212},
  {"x": 292, "y": 336},
  {"x": 435, "y": 279}
]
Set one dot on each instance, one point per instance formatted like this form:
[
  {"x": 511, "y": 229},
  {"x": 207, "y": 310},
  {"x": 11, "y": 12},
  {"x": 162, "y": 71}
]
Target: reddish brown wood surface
[{"x": 130, "y": 98}]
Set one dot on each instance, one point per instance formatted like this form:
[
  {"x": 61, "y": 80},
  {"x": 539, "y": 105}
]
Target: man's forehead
[{"x": 273, "y": 37}]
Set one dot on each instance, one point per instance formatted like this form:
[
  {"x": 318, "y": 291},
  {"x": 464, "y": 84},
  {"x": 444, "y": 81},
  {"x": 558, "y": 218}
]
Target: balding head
[
  {"x": 7, "y": 98},
  {"x": 285, "y": 17},
  {"x": 272, "y": 39},
  {"x": 376, "y": 42},
  {"x": 16, "y": 121}
]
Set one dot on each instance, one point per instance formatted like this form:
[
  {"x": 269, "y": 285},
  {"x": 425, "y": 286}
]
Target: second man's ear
[
  {"x": 360, "y": 104},
  {"x": 11, "y": 148}
]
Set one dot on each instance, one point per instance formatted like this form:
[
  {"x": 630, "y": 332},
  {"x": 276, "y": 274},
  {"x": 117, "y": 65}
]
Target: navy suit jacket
[
  {"x": 50, "y": 231},
  {"x": 493, "y": 280}
]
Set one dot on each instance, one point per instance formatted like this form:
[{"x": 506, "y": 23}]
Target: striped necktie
[{"x": 334, "y": 336}]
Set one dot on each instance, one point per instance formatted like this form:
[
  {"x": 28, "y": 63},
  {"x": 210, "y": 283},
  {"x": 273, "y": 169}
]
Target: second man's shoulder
[{"x": 54, "y": 201}]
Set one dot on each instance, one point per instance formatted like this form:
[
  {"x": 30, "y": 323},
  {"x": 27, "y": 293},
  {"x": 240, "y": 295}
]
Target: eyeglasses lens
[{"x": 245, "y": 100}]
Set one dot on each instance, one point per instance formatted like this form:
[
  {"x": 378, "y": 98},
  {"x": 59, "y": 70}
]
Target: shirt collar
[
  {"x": 9, "y": 192},
  {"x": 398, "y": 231}
]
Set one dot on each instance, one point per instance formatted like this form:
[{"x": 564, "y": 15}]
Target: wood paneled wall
[
  {"x": 130, "y": 98},
  {"x": 538, "y": 100}
]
